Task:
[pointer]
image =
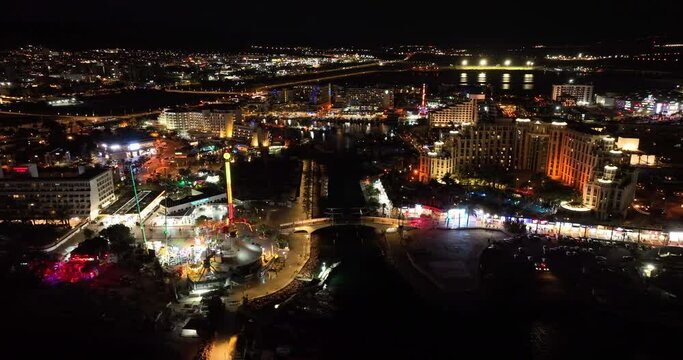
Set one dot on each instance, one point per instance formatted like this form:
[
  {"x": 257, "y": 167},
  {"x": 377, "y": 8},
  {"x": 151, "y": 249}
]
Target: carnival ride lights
[
  {"x": 210, "y": 254},
  {"x": 648, "y": 270},
  {"x": 78, "y": 268},
  {"x": 199, "y": 270}
]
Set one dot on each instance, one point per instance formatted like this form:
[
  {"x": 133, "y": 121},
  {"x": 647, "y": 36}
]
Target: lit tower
[
  {"x": 423, "y": 104},
  {"x": 137, "y": 205},
  {"x": 329, "y": 93},
  {"x": 228, "y": 188}
]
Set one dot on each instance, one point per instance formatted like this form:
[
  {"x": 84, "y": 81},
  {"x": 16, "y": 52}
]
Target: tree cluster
[{"x": 514, "y": 227}]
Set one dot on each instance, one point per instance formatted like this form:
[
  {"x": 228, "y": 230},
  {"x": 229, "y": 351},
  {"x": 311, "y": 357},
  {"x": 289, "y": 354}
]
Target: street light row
[{"x": 484, "y": 62}]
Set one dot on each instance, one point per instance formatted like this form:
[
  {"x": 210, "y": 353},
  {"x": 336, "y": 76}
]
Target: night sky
[{"x": 230, "y": 24}]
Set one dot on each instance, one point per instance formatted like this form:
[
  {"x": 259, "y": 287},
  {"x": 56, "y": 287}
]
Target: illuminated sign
[{"x": 20, "y": 169}]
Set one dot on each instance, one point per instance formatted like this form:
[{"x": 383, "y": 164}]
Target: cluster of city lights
[{"x": 485, "y": 62}]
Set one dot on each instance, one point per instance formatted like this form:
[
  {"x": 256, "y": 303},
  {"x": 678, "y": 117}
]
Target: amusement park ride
[
  {"x": 206, "y": 264},
  {"x": 228, "y": 189},
  {"x": 230, "y": 254},
  {"x": 214, "y": 261}
]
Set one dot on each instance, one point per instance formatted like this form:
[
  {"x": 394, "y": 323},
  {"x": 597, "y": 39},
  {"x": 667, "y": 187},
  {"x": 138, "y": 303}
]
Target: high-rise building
[
  {"x": 591, "y": 163},
  {"x": 483, "y": 145},
  {"x": 582, "y": 93},
  {"x": 465, "y": 112},
  {"x": 27, "y": 192},
  {"x": 216, "y": 122},
  {"x": 365, "y": 99},
  {"x": 612, "y": 186},
  {"x": 435, "y": 164},
  {"x": 282, "y": 96},
  {"x": 242, "y": 133}
]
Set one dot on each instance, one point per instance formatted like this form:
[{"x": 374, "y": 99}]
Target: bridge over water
[{"x": 311, "y": 225}]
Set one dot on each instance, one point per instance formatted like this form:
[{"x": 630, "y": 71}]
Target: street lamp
[
  {"x": 464, "y": 63},
  {"x": 507, "y": 62},
  {"x": 482, "y": 62}
]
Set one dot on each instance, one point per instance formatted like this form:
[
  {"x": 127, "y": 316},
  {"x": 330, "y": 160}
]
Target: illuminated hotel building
[
  {"x": 589, "y": 162},
  {"x": 216, "y": 122},
  {"x": 365, "y": 99},
  {"x": 242, "y": 133},
  {"x": 29, "y": 193},
  {"x": 572, "y": 155},
  {"x": 435, "y": 164},
  {"x": 582, "y": 93},
  {"x": 465, "y": 112},
  {"x": 612, "y": 185},
  {"x": 483, "y": 145}
]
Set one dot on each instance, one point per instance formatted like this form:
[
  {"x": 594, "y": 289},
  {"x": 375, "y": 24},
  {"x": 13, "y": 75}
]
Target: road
[
  {"x": 306, "y": 205},
  {"x": 74, "y": 118},
  {"x": 209, "y": 92},
  {"x": 79, "y": 237},
  {"x": 299, "y": 251},
  {"x": 325, "y": 78},
  {"x": 162, "y": 163}
]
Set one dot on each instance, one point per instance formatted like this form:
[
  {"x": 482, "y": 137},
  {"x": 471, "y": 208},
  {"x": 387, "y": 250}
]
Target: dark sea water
[
  {"x": 499, "y": 82},
  {"x": 519, "y": 82}
]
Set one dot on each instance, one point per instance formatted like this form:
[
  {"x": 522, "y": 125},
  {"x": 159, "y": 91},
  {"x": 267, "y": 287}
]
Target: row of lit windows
[{"x": 44, "y": 196}]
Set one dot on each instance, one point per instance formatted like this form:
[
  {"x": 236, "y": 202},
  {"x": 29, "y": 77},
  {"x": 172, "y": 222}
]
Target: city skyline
[{"x": 341, "y": 180}]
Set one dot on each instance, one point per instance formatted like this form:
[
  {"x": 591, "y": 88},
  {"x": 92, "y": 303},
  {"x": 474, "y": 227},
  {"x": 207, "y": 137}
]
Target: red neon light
[
  {"x": 20, "y": 169},
  {"x": 432, "y": 208}
]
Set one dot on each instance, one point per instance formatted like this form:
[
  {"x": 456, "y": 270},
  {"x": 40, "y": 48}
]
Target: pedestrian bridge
[{"x": 311, "y": 225}]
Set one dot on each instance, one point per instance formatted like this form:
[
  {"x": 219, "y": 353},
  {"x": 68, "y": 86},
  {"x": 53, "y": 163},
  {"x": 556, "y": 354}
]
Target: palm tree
[
  {"x": 62, "y": 213},
  {"x": 468, "y": 210},
  {"x": 447, "y": 179}
]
